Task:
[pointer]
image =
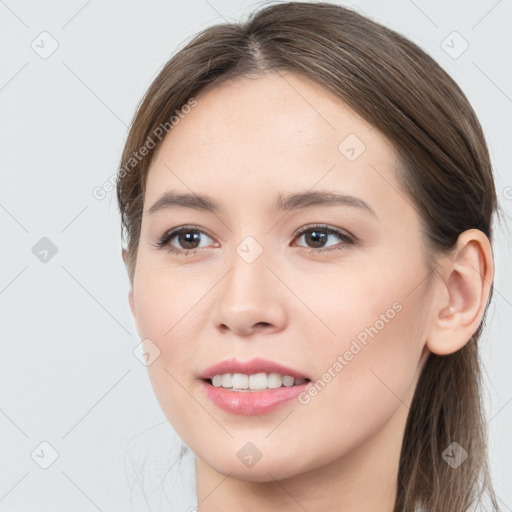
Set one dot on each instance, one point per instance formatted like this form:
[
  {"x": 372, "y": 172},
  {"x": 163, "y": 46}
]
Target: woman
[{"x": 307, "y": 199}]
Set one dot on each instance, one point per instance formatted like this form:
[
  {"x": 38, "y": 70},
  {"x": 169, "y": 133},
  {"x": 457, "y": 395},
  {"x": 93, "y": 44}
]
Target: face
[{"x": 335, "y": 289}]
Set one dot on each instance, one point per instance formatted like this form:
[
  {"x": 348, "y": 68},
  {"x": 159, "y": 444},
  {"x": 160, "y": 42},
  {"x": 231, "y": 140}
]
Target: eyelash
[{"x": 348, "y": 240}]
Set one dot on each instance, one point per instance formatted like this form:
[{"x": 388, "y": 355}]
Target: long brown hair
[{"x": 444, "y": 168}]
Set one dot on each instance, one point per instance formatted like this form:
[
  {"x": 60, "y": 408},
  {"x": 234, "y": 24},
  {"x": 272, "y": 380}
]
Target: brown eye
[
  {"x": 183, "y": 240},
  {"x": 188, "y": 239},
  {"x": 316, "y": 237}
]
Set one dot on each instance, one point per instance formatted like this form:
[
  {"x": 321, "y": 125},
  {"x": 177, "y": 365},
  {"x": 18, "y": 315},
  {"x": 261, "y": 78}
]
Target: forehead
[{"x": 251, "y": 135}]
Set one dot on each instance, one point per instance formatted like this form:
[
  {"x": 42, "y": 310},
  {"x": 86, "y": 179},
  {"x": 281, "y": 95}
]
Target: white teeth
[
  {"x": 288, "y": 381},
  {"x": 257, "y": 381},
  {"x": 274, "y": 380},
  {"x": 217, "y": 381},
  {"x": 240, "y": 381}
]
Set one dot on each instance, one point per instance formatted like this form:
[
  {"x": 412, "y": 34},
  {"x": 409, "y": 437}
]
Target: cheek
[
  {"x": 367, "y": 370},
  {"x": 167, "y": 302},
  {"x": 170, "y": 313},
  {"x": 358, "y": 393}
]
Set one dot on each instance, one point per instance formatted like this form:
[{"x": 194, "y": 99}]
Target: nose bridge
[
  {"x": 248, "y": 296},
  {"x": 248, "y": 273}
]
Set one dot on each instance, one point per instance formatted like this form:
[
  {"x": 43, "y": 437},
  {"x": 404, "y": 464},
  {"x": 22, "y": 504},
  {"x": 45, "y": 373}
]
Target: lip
[
  {"x": 257, "y": 365},
  {"x": 251, "y": 403}
]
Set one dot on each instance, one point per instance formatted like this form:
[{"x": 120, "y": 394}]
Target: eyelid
[
  {"x": 168, "y": 235},
  {"x": 345, "y": 237},
  {"x": 328, "y": 228}
]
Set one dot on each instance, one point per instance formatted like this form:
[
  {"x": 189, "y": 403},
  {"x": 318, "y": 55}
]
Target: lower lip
[{"x": 251, "y": 402}]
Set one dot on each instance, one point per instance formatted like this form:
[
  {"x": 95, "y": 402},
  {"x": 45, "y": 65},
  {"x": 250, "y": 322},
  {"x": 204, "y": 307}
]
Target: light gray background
[{"x": 68, "y": 375}]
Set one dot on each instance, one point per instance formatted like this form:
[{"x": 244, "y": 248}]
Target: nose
[{"x": 250, "y": 298}]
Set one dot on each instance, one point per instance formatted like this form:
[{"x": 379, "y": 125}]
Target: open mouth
[
  {"x": 246, "y": 383},
  {"x": 254, "y": 394}
]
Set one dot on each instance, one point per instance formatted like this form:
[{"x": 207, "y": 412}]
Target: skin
[{"x": 246, "y": 141}]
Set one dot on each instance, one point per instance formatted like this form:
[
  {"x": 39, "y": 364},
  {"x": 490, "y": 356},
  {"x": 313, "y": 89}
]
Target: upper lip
[{"x": 250, "y": 367}]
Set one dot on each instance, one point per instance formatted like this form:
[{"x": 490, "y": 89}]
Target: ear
[
  {"x": 124, "y": 254},
  {"x": 131, "y": 302},
  {"x": 466, "y": 279}
]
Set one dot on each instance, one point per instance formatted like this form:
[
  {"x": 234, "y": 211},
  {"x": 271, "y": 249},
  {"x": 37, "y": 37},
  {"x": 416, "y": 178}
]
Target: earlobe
[
  {"x": 124, "y": 254},
  {"x": 467, "y": 277},
  {"x": 131, "y": 302}
]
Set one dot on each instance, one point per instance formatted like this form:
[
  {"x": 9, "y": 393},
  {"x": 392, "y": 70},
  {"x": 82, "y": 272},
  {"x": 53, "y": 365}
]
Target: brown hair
[{"x": 444, "y": 167}]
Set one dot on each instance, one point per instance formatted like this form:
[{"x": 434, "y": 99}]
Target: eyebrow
[{"x": 287, "y": 202}]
